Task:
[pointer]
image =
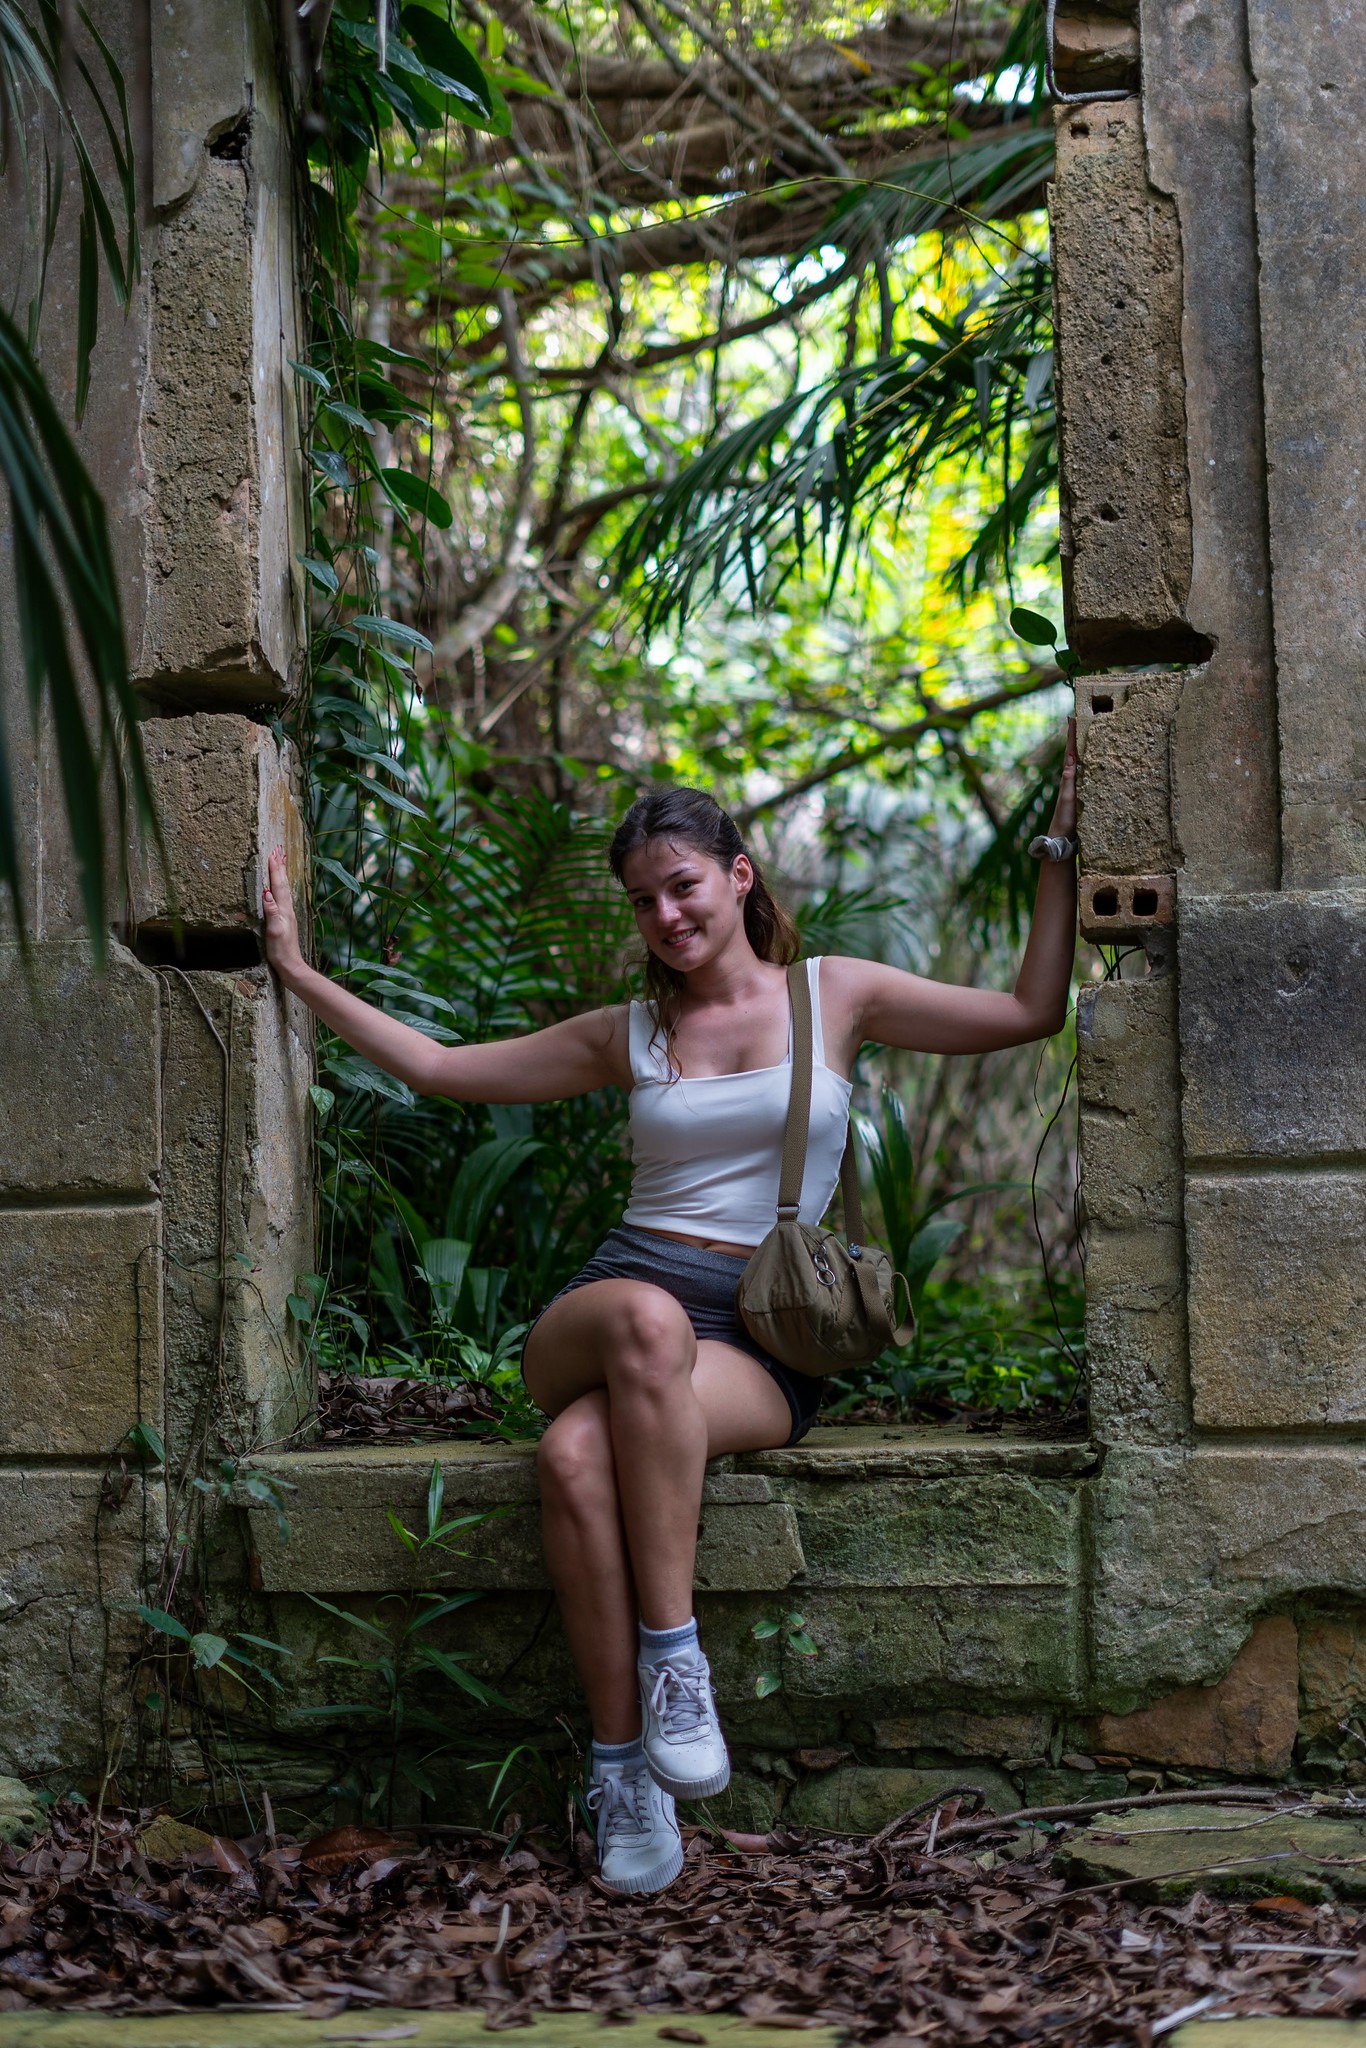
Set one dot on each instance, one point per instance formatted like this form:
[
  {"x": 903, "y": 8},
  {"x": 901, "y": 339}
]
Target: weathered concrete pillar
[
  {"x": 155, "y": 1195},
  {"x": 1211, "y": 290}
]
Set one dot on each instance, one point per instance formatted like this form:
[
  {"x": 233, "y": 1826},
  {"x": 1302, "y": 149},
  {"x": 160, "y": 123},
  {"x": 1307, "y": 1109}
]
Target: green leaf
[
  {"x": 391, "y": 629},
  {"x": 800, "y": 1642},
  {"x": 350, "y": 416},
  {"x": 314, "y": 376},
  {"x": 456, "y": 70},
  {"x": 766, "y": 1684},
  {"x": 147, "y": 1442},
  {"x": 765, "y": 1627},
  {"x": 298, "y": 1308},
  {"x": 333, "y": 467},
  {"x": 165, "y": 1624},
  {"x": 1033, "y": 627},
  {"x": 208, "y": 1650},
  {"x": 414, "y": 494},
  {"x": 321, "y": 572},
  {"x": 436, "y": 1493},
  {"x": 323, "y": 1100}
]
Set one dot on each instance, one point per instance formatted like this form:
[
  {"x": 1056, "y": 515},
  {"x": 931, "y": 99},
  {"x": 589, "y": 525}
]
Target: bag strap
[
  {"x": 798, "y": 1128},
  {"x": 798, "y": 1124}
]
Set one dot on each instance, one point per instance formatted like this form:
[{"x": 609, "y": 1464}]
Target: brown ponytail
[{"x": 697, "y": 820}]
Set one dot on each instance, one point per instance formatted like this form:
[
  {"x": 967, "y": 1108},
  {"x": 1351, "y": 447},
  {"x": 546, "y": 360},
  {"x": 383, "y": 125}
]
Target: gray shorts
[{"x": 703, "y": 1284}]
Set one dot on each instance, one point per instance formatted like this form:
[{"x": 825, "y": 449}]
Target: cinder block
[
  {"x": 89, "y": 1042},
  {"x": 70, "y": 1564},
  {"x": 1126, "y": 535},
  {"x": 1273, "y": 1025},
  {"x": 1277, "y": 1299},
  {"x": 1126, "y": 906},
  {"x": 80, "y": 1328},
  {"x": 225, "y": 793},
  {"x": 236, "y": 1070}
]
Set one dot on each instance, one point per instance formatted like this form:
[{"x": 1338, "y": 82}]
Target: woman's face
[{"x": 688, "y": 907}]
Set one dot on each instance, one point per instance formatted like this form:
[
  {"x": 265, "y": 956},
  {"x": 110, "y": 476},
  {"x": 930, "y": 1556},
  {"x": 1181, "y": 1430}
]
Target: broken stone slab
[
  {"x": 1191, "y": 1545},
  {"x": 1173, "y": 1850},
  {"x": 260, "y": 2027},
  {"x": 1244, "y": 1725},
  {"x": 861, "y": 1799},
  {"x": 20, "y": 1813}
]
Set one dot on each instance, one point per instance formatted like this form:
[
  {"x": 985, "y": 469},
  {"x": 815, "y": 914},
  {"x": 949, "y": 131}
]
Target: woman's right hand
[{"x": 282, "y": 928}]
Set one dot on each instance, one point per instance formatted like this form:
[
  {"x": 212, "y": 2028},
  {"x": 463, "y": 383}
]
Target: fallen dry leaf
[
  {"x": 883, "y": 1943},
  {"x": 339, "y": 1847}
]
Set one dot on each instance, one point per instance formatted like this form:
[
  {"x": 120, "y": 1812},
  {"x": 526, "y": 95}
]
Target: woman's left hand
[{"x": 1064, "y": 822}]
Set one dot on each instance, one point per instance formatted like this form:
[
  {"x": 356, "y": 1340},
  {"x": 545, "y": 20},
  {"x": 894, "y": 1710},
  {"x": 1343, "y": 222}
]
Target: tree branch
[
  {"x": 478, "y": 619},
  {"x": 950, "y": 718},
  {"x": 824, "y": 151}
]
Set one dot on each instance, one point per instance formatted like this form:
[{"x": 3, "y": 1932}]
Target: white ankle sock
[
  {"x": 602, "y": 1753},
  {"x": 657, "y": 1645}
]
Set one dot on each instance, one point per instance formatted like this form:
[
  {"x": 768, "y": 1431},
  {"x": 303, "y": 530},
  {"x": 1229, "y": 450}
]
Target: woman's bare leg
[
  {"x": 585, "y": 1549},
  {"x": 671, "y": 1403}
]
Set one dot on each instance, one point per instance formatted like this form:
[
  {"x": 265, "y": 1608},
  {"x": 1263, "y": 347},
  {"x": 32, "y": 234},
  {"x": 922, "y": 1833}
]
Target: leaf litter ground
[{"x": 907, "y": 1937}]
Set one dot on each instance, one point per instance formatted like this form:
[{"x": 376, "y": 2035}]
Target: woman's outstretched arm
[
  {"x": 566, "y": 1059},
  {"x": 908, "y": 1010}
]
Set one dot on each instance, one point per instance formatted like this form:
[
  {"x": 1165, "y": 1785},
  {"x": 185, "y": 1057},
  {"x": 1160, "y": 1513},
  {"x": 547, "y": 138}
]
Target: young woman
[{"x": 641, "y": 1362}]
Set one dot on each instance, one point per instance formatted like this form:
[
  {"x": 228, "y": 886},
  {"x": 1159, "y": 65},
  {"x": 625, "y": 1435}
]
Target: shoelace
[
  {"x": 617, "y": 1803},
  {"x": 682, "y": 1700}
]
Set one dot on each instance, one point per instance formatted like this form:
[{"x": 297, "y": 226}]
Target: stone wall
[
  {"x": 1209, "y": 278},
  {"x": 155, "y": 1196}
]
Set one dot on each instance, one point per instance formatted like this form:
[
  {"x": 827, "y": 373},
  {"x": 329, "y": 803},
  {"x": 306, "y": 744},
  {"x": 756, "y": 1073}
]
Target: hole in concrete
[
  {"x": 1145, "y": 902},
  {"x": 231, "y": 145},
  {"x": 1099, "y": 704},
  {"x": 206, "y": 952},
  {"x": 1081, "y": 129},
  {"x": 1108, "y": 514},
  {"x": 1105, "y": 903}
]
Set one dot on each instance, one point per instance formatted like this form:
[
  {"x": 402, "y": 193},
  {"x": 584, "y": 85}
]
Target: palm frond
[
  {"x": 811, "y": 474},
  {"x": 997, "y": 894},
  {"x": 63, "y": 564}
]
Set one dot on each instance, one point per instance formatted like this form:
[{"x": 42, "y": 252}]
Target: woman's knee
[
  {"x": 649, "y": 1341},
  {"x": 574, "y": 1456}
]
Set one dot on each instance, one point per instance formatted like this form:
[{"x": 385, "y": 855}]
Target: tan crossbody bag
[{"x": 816, "y": 1301}]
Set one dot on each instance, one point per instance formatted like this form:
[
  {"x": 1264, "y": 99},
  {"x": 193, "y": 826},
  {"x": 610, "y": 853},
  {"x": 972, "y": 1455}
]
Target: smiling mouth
[{"x": 682, "y": 938}]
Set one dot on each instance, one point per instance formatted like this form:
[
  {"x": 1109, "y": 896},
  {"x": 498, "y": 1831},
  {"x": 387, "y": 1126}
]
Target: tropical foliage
[{"x": 680, "y": 391}]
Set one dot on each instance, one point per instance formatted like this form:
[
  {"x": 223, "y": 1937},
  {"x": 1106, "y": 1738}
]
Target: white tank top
[{"x": 707, "y": 1152}]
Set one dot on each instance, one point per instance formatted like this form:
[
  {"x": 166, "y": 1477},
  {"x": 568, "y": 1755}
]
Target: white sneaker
[
  {"x": 684, "y": 1746},
  {"x": 639, "y": 1846}
]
